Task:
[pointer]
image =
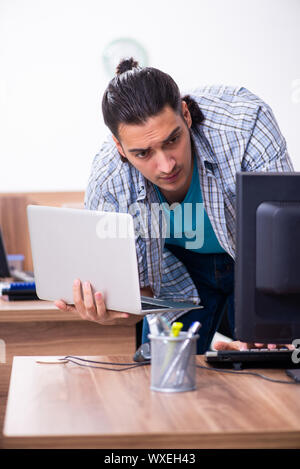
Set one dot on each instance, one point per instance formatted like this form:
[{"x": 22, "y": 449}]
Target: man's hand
[
  {"x": 237, "y": 345},
  {"x": 92, "y": 307}
]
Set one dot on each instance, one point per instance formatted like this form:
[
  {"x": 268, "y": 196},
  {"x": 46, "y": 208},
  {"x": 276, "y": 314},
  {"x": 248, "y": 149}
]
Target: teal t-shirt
[{"x": 187, "y": 223}]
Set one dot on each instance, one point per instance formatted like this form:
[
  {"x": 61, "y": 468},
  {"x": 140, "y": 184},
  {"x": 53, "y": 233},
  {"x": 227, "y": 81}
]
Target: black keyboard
[{"x": 254, "y": 358}]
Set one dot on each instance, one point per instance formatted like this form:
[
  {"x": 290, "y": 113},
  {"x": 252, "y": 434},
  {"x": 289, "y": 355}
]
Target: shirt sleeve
[
  {"x": 94, "y": 198},
  {"x": 266, "y": 149}
]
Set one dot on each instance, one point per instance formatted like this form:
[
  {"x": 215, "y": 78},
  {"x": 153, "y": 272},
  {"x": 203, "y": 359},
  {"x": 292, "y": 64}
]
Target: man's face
[{"x": 161, "y": 150}]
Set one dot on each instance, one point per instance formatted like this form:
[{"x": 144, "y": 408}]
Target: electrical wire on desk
[
  {"x": 253, "y": 373},
  {"x": 128, "y": 366}
]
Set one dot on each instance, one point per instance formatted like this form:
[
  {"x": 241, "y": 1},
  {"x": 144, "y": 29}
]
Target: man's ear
[
  {"x": 119, "y": 147},
  {"x": 186, "y": 113}
]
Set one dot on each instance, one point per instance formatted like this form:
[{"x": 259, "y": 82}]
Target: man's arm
[{"x": 266, "y": 149}]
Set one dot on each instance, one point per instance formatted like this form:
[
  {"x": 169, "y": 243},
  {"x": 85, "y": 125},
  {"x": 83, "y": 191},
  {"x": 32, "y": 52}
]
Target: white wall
[{"x": 52, "y": 77}]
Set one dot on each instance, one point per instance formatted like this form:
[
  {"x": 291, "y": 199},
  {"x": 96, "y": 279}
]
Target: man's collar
[
  {"x": 203, "y": 149},
  {"x": 141, "y": 187}
]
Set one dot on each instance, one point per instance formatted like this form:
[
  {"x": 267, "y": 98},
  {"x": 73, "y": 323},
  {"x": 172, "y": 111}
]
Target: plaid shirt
[{"x": 239, "y": 133}]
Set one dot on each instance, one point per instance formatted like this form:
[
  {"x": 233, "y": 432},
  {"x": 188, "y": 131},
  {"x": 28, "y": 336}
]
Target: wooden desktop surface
[
  {"x": 37, "y": 310},
  {"x": 39, "y": 328},
  {"x": 68, "y": 406}
]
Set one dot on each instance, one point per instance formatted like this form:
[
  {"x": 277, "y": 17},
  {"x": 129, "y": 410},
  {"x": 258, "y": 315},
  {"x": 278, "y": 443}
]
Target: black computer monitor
[
  {"x": 4, "y": 269},
  {"x": 267, "y": 269}
]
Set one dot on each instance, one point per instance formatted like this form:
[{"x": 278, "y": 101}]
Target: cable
[
  {"x": 247, "y": 373},
  {"x": 128, "y": 365},
  {"x": 93, "y": 361}
]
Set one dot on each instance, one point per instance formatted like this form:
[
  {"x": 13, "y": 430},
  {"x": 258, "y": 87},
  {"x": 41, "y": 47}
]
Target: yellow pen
[
  {"x": 174, "y": 332},
  {"x": 175, "y": 329}
]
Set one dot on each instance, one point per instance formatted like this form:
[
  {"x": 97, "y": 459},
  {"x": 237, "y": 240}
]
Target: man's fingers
[
  {"x": 60, "y": 304},
  {"x": 88, "y": 301},
  {"x": 100, "y": 305},
  {"x": 90, "y": 306},
  {"x": 235, "y": 345},
  {"x": 103, "y": 313},
  {"x": 290, "y": 346},
  {"x": 77, "y": 295},
  {"x": 274, "y": 346},
  {"x": 78, "y": 300},
  {"x": 118, "y": 315},
  {"x": 268, "y": 346}
]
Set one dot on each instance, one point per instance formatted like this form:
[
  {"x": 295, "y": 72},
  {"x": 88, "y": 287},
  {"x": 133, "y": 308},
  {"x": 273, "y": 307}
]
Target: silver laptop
[{"x": 93, "y": 246}]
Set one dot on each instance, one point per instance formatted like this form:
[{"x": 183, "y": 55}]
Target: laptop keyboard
[{"x": 146, "y": 306}]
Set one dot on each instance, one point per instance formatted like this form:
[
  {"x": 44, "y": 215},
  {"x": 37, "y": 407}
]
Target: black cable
[
  {"x": 93, "y": 361},
  {"x": 246, "y": 373},
  {"x": 128, "y": 365}
]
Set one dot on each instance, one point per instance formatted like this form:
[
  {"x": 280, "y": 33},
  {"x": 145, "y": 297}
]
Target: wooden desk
[
  {"x": 32, "y": 311},
  {"x": 68, "y": 406},
  {"x": 39, "y": 328}
]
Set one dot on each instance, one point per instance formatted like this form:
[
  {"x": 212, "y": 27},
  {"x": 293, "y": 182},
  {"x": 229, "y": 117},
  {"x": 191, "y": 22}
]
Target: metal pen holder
[{"x": 173, "y": 362}]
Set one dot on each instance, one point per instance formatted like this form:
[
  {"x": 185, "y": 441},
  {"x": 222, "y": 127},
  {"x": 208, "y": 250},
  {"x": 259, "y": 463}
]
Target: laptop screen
[{"x": 4, "y": 270}]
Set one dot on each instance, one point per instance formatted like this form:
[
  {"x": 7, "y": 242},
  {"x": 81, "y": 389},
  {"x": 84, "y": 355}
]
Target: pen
[
  {"x": 190, "y": 333},
  {"x": 184, "y": 364},
  {"x": 175, "y": 329},
  {"x": 174, "y": 332},
  {"x": 153, "y": 325},
  {"x": 164, "y": 324},
  {"x": 158, "y": 325}
]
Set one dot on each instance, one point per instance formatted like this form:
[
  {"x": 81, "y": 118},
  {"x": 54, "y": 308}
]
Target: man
[{"x": 165, "y": 149}]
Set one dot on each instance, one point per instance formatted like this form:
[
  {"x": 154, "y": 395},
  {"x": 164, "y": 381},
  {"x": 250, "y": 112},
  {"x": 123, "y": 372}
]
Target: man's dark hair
[{"x": 137, "y": 93}]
